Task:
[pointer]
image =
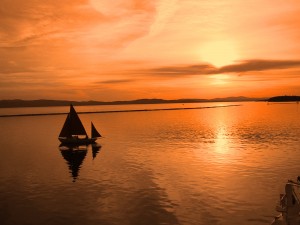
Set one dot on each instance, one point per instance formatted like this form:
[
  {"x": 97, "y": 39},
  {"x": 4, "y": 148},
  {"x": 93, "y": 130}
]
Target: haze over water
[{"x": 224, "y": 166}]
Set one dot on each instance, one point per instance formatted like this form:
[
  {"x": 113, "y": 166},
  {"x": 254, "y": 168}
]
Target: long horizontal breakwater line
[{"x": 117, "y": 111}]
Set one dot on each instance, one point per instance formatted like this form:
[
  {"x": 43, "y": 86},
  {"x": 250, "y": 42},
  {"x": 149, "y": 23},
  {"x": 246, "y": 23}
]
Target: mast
[{"x": 95, "y": 133}]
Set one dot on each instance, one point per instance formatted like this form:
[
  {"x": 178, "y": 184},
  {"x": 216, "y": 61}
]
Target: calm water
[{"x": 190, "y": 167}]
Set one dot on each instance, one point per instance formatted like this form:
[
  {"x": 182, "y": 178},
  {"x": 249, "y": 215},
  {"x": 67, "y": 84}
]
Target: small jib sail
[
  {"x": 73, "y": 130},
  {"x": 95, "y": 133},
  {"x": 72, "y": 125}
]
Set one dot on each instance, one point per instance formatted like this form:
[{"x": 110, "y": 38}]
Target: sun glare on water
[{"x": 218, "y": 53}]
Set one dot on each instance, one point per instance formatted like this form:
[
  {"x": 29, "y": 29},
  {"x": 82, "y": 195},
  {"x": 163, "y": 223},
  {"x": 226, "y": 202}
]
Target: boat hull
[{"x": 77, "y": 141}]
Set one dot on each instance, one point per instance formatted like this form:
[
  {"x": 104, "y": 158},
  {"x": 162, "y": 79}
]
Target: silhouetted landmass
[
  {"x": 285, "y": 98},
  {"x": 44, "y": 103}
]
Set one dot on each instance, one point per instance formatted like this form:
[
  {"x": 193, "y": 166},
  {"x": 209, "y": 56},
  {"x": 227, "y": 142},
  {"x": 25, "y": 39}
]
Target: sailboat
[{"x": 73, "y": 132}]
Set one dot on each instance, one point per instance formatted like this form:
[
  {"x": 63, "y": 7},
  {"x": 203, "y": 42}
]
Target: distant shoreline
[
  {"x": 17, "y": 103},
  {"x": 119, "y": 111}
]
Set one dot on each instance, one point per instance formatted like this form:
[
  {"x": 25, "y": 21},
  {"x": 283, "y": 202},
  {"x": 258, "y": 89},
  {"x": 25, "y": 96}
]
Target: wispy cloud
[
  {"x": 27, "y": 21},
  {"x": 117, "y": 81},
  {"x": 207, "y": 69},
  {"x": 179, "y": 71},
  {"x": 259, "y": 65}
]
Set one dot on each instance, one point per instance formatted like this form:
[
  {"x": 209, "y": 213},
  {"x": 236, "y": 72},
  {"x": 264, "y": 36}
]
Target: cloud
[
  {"x": 25, "y": 21},
  {"x": 115, "y": 81},
  {"x": 180, "y": 70},
  {"x": 70, "y": 33},
  {"x": 11, "y": 66},
  {"x": 207, "y": 69},
  {"x": 259, "y": 65},
  {"x": 73, "y": 22}
]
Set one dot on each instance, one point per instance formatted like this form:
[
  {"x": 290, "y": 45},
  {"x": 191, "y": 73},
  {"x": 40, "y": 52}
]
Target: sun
[{"x": 219, "y": 53}]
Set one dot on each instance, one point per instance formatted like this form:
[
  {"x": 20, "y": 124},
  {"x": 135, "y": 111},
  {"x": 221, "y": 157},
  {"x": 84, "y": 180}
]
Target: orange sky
[{"x": 129, "y": 49}]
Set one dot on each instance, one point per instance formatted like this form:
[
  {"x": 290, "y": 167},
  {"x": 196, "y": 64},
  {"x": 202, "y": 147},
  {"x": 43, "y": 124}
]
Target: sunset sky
[{"x": 128, "y": 49}]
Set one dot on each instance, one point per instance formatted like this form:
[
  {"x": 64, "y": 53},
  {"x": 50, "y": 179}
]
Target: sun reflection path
[
  {"x": 219, "y": 147},
  {"x": 221, "y": 142}
]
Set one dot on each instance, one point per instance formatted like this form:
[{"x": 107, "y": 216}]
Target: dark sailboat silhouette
[{"x": 73, "y": 131}]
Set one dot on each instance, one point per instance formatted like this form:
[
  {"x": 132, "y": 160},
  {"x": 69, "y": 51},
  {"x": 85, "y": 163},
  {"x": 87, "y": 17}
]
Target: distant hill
[
  {"x": 45, "y": 103},
  {"x": 285, "y": 98}
]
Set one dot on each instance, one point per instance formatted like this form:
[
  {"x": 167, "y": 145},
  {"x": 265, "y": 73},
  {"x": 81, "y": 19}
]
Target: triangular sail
[
  {"x": 72, "y": 125},
  {"x": 95, "y": 133},
  {"x": 65, "y": 131}
]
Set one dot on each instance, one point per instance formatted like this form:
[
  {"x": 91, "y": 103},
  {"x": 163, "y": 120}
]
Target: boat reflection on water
[
  {"x": 95, "y": 150},
  {"x": 75, "y": 155}
]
